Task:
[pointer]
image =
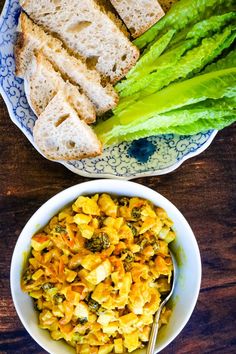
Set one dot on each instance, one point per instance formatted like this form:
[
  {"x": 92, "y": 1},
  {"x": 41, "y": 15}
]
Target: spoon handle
[
  {"x": 153, "y": 334},
  {"x": 155, "y": 327}
]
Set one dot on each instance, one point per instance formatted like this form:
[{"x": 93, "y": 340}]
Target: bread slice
[
  {"x": 42, "y": 83},
  {"x": 32, "y": 37},
  {"x": 138, "y": 15},
  {"x": 87, "y": 31},
  {"x": 60, "y": 134}
]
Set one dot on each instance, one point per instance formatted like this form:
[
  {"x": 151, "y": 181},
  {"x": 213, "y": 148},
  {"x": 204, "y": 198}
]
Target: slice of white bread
[
  {"x": 138, "y": 15},
  {"x": 87, "y": 31},
  {"x": 42, "y": 82},
  {"x": 60, "y": 134},
  {"x": 32, "y": 37}
]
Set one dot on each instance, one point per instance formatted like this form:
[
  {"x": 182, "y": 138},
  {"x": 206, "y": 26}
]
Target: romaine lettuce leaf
[
  {"x": 203, "y": 28},
  {"x": 206, "y": 110},
  {"x": 229, "y": 61},
  {"x": 166, "y": 60},
  {"x": 201, "y": 125},
  {"x": 211, "y": 25},
  {"x": 182, "y": 14},
  {"x": 175, "y": 68},
  {"x": 151, "y": 56},
  {"x": 213, "y": 85},
  {"x": 147, "y": 61}
]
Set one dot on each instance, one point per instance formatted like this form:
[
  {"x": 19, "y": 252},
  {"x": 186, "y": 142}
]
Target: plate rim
[{"x": 82, "y": 173}]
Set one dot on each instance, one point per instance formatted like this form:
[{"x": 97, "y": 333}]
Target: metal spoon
[{"x": 154, "y": 331}]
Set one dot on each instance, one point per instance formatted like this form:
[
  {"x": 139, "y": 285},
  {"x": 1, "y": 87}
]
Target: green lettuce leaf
[
  {"x": 229, "y": 61},
  {"x": 182, "y": 14},
  {"x": 168, "y": 59},
  {"x": 206, "y": 110},
  {"x": 201, "y": 125},
  {"x": 151, "y": 56},
  {"x": 211, "y": 25},
  {"x": 175, "y": 68},
  {"x": 213, "y": 85},
  {"x": 204, "y": 28},
  {"x": 147, "y": 61}
]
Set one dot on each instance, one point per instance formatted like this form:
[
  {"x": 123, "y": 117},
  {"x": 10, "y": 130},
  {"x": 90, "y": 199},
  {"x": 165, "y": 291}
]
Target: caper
[
  {"x": 101, "y": 220},
  {"x": 133, "y": 229},
  {"x": 129, "y": 255},
  {"x": 59, "y": 229},
  {"x": 136, "y": 213},
  {"x": 98, "y": 243},
  {"x": 82, "y": 320},
  {"x": 93, "y": 305},
  {"x": 27, "y": 276},
  {"x": 59, "y": 298},
  {"x": 124, "y": 201}
]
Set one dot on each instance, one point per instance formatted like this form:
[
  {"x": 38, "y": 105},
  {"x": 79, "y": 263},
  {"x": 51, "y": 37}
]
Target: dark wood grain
[{"x": 203, "y": 188}]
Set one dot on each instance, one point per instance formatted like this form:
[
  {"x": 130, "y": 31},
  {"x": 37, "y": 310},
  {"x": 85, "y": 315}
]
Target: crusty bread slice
[
  {"x": 32, "y": 37},
  {"x": 43, "y": 82},
  {"x": 88, "y": 32},
  {"x": 138, "y": 15},
  {"x": 61, "y": 135}
]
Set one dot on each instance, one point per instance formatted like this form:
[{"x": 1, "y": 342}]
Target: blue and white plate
[{"x": 145, "y": 157}]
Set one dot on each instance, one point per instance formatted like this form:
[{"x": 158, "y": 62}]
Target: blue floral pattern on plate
[{"x": 152, "y": 156}]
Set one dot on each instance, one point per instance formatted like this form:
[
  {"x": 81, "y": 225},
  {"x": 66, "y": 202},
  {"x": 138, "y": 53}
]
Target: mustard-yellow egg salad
[{"x": 98, "y": 270}]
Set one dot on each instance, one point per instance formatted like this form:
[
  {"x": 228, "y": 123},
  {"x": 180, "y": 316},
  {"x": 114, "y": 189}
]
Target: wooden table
[{"x": 203, "y": 188}]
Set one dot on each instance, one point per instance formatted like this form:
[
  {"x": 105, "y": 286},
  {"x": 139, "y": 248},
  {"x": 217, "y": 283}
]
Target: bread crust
[
  {"x": 18, "y": 49},
  {"x": 75, "y": 157}
]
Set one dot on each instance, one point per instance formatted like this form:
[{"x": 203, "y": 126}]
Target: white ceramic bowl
[{"x": 184, "y": 247}]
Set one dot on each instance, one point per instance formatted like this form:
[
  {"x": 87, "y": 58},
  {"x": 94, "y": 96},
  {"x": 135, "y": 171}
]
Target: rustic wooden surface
[{"x": 203, "y": 188}]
